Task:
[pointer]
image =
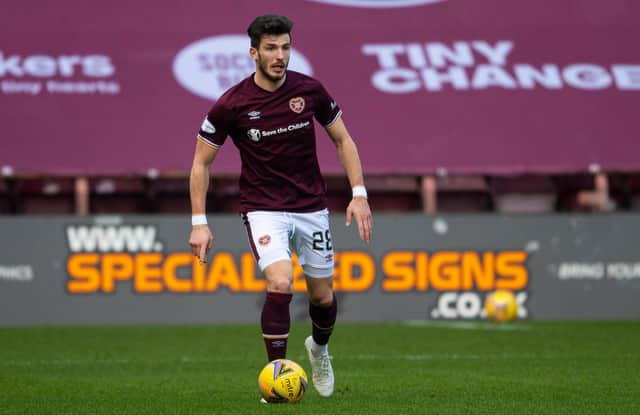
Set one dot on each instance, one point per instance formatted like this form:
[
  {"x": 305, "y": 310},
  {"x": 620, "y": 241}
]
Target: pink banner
[{"x": 490, "y": 86}]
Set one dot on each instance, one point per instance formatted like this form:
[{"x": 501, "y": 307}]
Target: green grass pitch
[{"x": 433, "y": 368}]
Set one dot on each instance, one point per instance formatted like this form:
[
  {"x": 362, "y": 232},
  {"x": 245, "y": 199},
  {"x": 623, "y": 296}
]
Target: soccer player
[{"x": 269, "y": 117}]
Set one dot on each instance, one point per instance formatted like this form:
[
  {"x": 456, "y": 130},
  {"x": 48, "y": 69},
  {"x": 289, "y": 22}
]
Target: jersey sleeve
[
  {"x": 216, "y": 125},
  {"x": 326, "y": 110}
]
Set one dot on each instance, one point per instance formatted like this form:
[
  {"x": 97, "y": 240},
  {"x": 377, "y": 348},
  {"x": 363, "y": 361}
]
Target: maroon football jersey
[{"x": 275, "y": 136}]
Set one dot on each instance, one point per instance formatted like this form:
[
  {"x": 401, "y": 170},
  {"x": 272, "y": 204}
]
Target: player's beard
[{"x": 263, "y": 67}]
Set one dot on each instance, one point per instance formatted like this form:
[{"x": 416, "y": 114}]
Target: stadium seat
[
  {"x": 621, "y": 189},
  {"x": 5, "y": 198},
  {"x": 392, "y": 193},
  {"x": 463, "y": 193},
  {"x": 51, "y": 195},
  {"x": 223, "y": 196},
  {"x": 634, "y": 191},
  {"x": 523, "y": 194},
  {"x": 385, "y": 193},
  {"x": 119, "y": 195},
  {"x": 168, "y": 195}
]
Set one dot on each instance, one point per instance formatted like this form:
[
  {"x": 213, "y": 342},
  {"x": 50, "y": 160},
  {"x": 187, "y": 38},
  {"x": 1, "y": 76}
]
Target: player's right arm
[
  {"x": 201, "y": 239},
  {"x": 212, "y": 135}
]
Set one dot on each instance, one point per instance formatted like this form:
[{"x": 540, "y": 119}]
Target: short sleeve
[
  {"x": 326, "y": 110},
  {"x": 216, "y": 125}
]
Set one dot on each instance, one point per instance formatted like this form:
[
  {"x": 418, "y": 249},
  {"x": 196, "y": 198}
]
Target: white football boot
[{"x": 322, "y": 372}]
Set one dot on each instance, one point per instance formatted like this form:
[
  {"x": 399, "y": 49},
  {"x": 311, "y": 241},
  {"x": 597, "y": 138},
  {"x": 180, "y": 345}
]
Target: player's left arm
[{"x": 348, "y": 153}]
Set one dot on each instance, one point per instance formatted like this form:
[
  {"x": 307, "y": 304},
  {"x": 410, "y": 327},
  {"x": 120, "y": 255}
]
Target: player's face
[{"x": 272, "y": 56}]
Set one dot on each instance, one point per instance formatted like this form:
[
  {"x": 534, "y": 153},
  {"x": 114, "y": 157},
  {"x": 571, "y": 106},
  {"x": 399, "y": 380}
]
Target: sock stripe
[
  {"x": 275, "y": 336},
  {"x": 320, "y": 327}
]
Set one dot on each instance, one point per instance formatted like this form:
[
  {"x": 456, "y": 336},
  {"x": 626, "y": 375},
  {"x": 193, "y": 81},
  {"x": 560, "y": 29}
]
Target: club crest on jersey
[
  {"x": 254, "y": 134},
  {"x": 264, "y": 240},
  {"x": 296, "y": 104}
]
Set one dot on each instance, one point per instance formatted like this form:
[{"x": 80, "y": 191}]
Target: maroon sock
[
  {"x": 323, "y": 317},
  {"x": 276, "y": 322}
]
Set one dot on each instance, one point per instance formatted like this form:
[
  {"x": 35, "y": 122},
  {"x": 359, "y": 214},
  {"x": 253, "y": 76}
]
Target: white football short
[{"x": 274, "y": 235}]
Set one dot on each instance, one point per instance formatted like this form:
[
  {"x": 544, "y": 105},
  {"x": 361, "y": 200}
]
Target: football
[
  {"x": 282, "y": 381},
  {"x": 501, "y": 306}
]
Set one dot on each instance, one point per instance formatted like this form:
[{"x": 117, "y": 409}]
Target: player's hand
[
  {"x": 359, "y": 209},
  {"x": 201, "y": 241}
]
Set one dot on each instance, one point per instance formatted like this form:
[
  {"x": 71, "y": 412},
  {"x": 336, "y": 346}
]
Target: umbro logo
[
  {"x": 280, "y": 344},
  {"x": 254, "y": 115}
]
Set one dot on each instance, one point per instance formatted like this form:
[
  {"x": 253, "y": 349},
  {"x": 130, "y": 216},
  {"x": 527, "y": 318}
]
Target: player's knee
[
  {"x": 279, "y": 285},
  {"x": 321, "y": 297}
]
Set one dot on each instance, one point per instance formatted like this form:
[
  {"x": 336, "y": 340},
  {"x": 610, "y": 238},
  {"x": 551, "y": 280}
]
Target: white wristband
[
  {"x": 359, "y": 191},
  {"x": 198, "y": 220}
]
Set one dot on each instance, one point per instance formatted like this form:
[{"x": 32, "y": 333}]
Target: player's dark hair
[{"x": 268, "y": 24}]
